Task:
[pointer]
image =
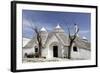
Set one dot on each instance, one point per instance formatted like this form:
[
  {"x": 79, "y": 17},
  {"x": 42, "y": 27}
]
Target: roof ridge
[{"x": 59, "y": 38}]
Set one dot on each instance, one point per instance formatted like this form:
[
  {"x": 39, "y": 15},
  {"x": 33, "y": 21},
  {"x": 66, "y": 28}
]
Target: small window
[
  {"x": 75, "y": 49},
  {"x": 25, "y": 55},
  {"x": 36, "y": 49}
]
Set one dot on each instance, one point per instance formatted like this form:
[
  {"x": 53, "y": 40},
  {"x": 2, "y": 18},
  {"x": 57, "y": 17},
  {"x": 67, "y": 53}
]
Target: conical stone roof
[
  {"x": 43, "y": 29},
  {"x": 58, "y": 26},
  {"x": 58, "y": 29}
]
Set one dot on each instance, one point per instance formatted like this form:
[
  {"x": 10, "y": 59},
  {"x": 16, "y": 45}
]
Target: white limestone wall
[
  {"x": 53, "y": 42},
  {"x": 50, "y": 46},
  {"x": 81, "y": 54},
  {"x": 28, "y": 51},
  {"x": 85, "y": 54},
  {"x": 74, "y": 54},
  {"x": 50, "y": 53},
  {"x": 60, "y": 48},
  {"x": 44, "y": 52},
  {"x": 65, "y": 52}
]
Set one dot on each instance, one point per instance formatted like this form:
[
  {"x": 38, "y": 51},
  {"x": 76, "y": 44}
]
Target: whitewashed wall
[{"x": 5, "y": 38}]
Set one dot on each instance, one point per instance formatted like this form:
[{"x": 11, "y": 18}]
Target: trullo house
[{"x": 55, "y": 44}]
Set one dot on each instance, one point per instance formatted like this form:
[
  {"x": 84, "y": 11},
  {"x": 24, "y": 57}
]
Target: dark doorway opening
[
  {"x": 36, "y": 50},
  {"x": 75, "y": 49},
  {"x": 55, "y": 51}
]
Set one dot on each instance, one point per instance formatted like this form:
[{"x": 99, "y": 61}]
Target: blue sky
[{"x": 50, "y": 19}]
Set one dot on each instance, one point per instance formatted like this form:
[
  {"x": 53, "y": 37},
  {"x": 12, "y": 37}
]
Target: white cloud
[
  {"x": 27, "y": 23},
  {"x": 84, "y": 31}
]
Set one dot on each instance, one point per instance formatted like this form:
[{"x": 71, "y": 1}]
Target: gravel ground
[{"x": 46, "y": 60}]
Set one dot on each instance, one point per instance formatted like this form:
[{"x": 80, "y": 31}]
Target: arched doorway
[
  {"x": 75, "y": 49},
  {"x": 55, "y": 51}
]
